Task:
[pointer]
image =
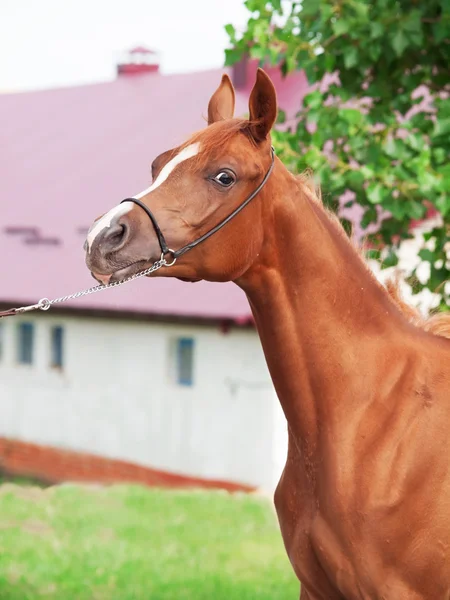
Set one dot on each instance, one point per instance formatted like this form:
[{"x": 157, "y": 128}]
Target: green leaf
[
  {"x": 326, "y": 11},
  {"x": 443, "y": 106},
  {"x": 231, "y": 32},
  {"x": 232, "y": 56},
  {"x": 439, "y": 155},
  {"x": 416, "y": 141},
  {"x": 373, "y": 254},
  {"x": 330, "y": 61},
  {"x": 441, "y": 127},
  {"x": 341, "y": 92},
  {"x": 260, "y": 31},
  {"x": 426, "y": 254},
  {"x": 389, "y": 146},
  {"x": 318, "y": 138},
  {"x": 375, "y": 51},
  {"x": 281, "y": 116},
  {"x": 444, "y": 171},
  {"x": 254, "y": 5},
  {"x": 352, "y": 115},
  {"x": 415, "y": 210},
  {"x": 370, "y": 216},
  {"x": 258, "y": 52},
  {"x": 340, "y": 27},
  {"x": 413, "y": 22},
  {"x": 355, "y": 179},
  {"x": 437, "y": 278},
  {"x": 361, "y": 10},
  {"x": 310, "y": 8},
  {"x": 443, "y": 204},
  {"x": 351, "y": 57},
  {"x": 376, "y": 29},
  {"x": 375, "y": 193},
  {"x": 291, "y": 63},
  {"x": 313, "y": 100},
  {"x": 440, "y": 31},
  {"x": 399, "y": 42},
  {"x": 391, "y": 258},
  {"x": 367, "y": 172}
]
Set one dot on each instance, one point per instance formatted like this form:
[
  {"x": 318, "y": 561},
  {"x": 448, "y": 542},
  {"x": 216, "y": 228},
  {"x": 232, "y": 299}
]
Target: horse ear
[
  {"x": 262, "y": 106},
  {"x": 221, "y": 105}
]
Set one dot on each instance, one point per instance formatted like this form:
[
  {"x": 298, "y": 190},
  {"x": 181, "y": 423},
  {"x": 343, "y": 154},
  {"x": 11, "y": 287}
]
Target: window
[
  {"x": 57, "y": 346},
  {"x": 25, "y": 343},
  {"x": 185, "y": 361}
]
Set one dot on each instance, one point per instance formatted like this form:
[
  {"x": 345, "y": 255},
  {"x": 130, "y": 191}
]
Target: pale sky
[{"x": 53, "y": 43}]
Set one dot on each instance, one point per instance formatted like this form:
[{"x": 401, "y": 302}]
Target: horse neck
[{"x": 316, "y": 306}]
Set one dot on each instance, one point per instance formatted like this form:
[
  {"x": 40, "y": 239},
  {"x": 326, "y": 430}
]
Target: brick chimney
[{"x": 138, "y": 61}]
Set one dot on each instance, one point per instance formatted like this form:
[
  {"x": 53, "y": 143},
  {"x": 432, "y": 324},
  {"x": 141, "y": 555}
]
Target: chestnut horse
[{"x": 364, "y": 499}]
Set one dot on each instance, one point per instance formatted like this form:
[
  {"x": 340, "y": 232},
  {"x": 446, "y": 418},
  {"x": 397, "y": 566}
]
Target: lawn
[{"x": 132, "y": 543}]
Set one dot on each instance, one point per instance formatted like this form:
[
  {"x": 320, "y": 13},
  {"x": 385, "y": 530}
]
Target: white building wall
[{"x": 117, "y": 397}]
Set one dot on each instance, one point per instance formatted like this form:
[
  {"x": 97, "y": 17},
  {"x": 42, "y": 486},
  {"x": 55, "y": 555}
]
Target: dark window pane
[
  {"x": 25, "y": 343},
  {"x": 185, "y": 361},
  {"x": 57, "y": 341}
]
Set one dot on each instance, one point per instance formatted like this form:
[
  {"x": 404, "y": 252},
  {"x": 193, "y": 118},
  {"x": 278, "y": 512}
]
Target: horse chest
[
  {"x": 316, "y": 553},
  {"x": 296, "y": 509},
  {"x": 340, "y": 558}
]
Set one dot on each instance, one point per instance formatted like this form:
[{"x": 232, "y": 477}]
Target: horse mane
[{"x": 436, "y": 324}]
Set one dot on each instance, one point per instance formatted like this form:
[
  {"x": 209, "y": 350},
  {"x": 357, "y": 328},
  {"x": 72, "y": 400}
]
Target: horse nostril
[{"x": 116, "y": 236}]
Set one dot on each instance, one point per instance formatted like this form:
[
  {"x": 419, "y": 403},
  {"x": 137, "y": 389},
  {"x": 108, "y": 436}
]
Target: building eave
[{"x": 245, "y": 322}]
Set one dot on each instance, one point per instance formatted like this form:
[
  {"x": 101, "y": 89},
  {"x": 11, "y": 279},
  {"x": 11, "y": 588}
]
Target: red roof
[{"x": 69, "y": 155}]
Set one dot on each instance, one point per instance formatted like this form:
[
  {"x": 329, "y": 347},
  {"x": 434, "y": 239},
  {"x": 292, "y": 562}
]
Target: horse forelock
[{"x": 213, "y": 139}]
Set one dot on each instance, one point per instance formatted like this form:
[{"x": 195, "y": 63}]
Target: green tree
[{"x": 389, "y": 55}]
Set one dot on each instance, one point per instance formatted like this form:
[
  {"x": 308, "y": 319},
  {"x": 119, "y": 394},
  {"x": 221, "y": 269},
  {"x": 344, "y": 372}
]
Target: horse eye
[{"x": 225, "y": 178}]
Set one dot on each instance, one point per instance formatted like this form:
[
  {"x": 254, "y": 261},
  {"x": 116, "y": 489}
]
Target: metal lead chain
[{"x": 45, "y": 303}]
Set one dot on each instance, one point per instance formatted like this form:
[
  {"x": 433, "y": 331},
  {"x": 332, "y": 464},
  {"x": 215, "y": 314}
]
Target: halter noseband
[{"x": 165, "y": 250}]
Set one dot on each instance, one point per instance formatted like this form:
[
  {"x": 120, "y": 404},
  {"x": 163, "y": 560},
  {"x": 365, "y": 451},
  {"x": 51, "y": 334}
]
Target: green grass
[{"x": 132, "y": 543}]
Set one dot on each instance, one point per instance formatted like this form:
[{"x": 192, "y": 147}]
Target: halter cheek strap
[{"x": 165, "y": 250}]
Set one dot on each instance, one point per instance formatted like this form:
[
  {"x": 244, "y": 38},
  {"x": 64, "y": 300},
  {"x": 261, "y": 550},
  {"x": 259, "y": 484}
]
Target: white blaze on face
[
  {"x": 125, "y": 207},
  {"x": 188, "y": 152}
]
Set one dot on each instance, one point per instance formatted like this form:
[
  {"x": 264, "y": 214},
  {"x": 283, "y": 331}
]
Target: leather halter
[{"x": 165, "y": 250}]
